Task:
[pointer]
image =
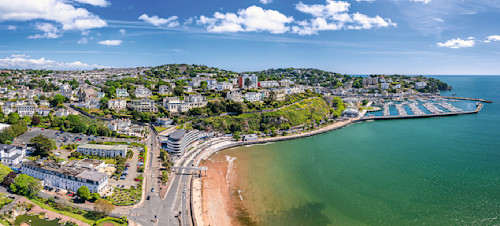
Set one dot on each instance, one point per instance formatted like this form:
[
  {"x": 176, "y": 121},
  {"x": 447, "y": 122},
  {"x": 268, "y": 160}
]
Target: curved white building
[{"x": 178, "y": 140}]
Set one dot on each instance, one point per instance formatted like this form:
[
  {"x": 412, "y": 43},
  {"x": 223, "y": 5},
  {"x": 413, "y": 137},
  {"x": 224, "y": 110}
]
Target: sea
[{"x": 430, "y": 171}]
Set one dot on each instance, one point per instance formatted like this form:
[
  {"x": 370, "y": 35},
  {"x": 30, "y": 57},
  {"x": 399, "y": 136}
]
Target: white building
[
  {"x": 122, "y": 92},
  {"x": 26, "y": 110},
  {"x": 164, "y": 90},
  {"x": 43, "y": 111},
  {"x": 179, "y": 140},
  {"x": 12, "y": 155},
  {"x": 142, "y": 91},
  {"x": 269, "y": 84},
  {"x": 174, "y": 104},
  {"x": 234, "y": 96},
  {"x": 143, "y": 105},
  {"x": 117, "y": 104},
  {"x": 252, "y": 96},
  {"x": 63, "y": 112},
  {"x": 420, "y": 85},
  {"x": 248, "y": 81},
  {"x": 66, "y": 177},
  {"x": 384, "y": 85},
  {"x": 119, "y": 124},
  {"x": 103, "y": 150},
  {"x": 223, "y": 86}
]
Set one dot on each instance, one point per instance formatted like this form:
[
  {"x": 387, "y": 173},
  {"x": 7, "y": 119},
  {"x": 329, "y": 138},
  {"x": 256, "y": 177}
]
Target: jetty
[
  {"x": 436, "y": 114},
  {"x": 468, "y": 98}
]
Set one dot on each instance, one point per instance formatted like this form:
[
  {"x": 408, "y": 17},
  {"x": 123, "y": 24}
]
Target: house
[
  {"x": 141, "y": 92},
  {"x": 223, "y": 86},
  {"x": 234, "y": 96},
  {"x": 63, "y": 112},
  {"x": 143, "y": 105},
  {"x": 11, "y": 154},
  {"x": 44, "y": 103},
  {"x": 164, "y": 121},
  {"x": 119, "y": 124},
  {"x": 164, "y": 90},
  {"x": 174, "y": 104},
  {"x": 384, "y": 85},
  {"x": 420, "y": 85},
  {"x": 188, "y": 89},
  {"x": 252, "y": 96},
  {"x": 122, "y": 92},
  {"x": 117, "y": 104},
  {"x": 87, "y": 94},
  {"x": 43, "y": 111}
]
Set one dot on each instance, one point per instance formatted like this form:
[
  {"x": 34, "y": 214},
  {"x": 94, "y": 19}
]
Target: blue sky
[{"x": 353, "y": 36}]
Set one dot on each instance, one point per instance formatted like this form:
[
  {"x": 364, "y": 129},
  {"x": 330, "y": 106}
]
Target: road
[{"x": 174, "y": 208}]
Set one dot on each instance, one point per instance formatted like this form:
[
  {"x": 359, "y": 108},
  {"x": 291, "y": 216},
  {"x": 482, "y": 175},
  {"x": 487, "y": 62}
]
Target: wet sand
[{"x": 216, "y": 193}]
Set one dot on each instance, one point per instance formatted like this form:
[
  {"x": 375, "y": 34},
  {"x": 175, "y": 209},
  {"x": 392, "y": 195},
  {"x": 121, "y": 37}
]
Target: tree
[
  {"x": 35, "y": 120},
  {"x": 179, "y": 90},
  {"x": 26, "y": 186},
  {"x": 92, "y": 130},
  {"x": 4, "y": 171},
  {"x": 103, "y": 206},
  {"x": 75, "y": 154},
  {"x": 102, "y": 131},
  {"x": 58, "y": 100},
  {"x": 95, "y": 197},
  {"x": 236, "y": 135},
  {"x": 43, "y": 145},
  {"x": 13, "y": 118},
  {"x": 84, "y": 193},
  {"x": 248, "y": 82}
]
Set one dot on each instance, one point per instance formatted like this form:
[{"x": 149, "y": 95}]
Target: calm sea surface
[{"x": 435, "y": 171}]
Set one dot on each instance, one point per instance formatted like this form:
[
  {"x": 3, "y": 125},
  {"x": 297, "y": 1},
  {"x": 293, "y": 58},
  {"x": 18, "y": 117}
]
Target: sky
[{"x": 429, "y": 37}]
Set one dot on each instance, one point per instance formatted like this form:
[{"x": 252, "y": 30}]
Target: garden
[{"x": 126, "y": 197}]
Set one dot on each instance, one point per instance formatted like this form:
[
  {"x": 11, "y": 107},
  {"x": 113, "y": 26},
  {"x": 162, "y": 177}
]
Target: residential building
[
  {"x": 248, "y": 81},
  {"x": 384, "y": 85},
  {"x": 87, "y": 94},
  {"x": 103, "y": 150},
  {"x": 223, "y": 86},
  {"x": 174, "y": 104},
  {"x": 234, "y": 96},
  {"x": 143, "y": 105},
  {"x": 269, "y": 84},
  {"x": 44, "y": 103},
  {"x": 420, "y": 85},
  {"x": 11, "y": 154},
  {"x": 164, "y": 90},
  {"x": 117, "y": 104},
  {"x": 43, "y": 111},
  {"x": 69, "y": 177},
  {"x": 63, "y": 112},
  {"x": 141, "y": 92},
  {"x": 122, "y": 92},
  {"x": 164, "y": 121},
  {"x": 252, "y": 96},
  {"x": 119, "y": 124},
  {"x": 26, "y": 110}
]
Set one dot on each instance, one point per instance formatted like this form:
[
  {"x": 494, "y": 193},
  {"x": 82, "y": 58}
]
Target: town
[{"x": 124, "y": 144}]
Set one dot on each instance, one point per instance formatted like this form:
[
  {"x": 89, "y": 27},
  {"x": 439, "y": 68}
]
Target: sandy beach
[{"x": 216, "y": 205}]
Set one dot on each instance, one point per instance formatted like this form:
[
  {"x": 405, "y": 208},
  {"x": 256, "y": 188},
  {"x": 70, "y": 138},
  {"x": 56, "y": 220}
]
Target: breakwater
[{"x": 468, "y": 98}]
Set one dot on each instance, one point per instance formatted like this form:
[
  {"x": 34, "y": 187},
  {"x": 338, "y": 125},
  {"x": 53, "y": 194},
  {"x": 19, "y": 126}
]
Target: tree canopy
[
  {"x": 26, "y": 186},
  {"x": 84, "y": 193},
  {"x": 43, "y": 145}
]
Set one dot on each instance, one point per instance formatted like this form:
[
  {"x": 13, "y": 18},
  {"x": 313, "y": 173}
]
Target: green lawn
[
  {"x": 72, "y": 215},
  {"x": 159, "y": 129}
]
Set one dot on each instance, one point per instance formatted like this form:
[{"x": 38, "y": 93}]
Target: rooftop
[
  {"x": 103, "y": 146},
  {"x": 178, "y": 134}
]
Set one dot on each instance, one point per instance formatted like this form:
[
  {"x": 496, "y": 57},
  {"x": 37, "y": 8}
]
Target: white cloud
[
  {"x": 60, "y": 11},
  {"x": 122, "y": 31},
  {"x": 50, "y": 31},
  {"x": 266, "y": 1},
  {"x": 20, "y": 55},
  {"x": 160, "y": 22},
  {"x": 365, "y": 0},
  {"x": 492, "y": 38},
  {"x": 23, "y": 62},
  {"x": 253, "y": 18},
  {"x": 334, "y": 15},
  {"x": 110, "y": 42},
  {"x": 423, "y": 1},
  {"x": 83, "y": 40},
  {"x": 101, "y": 3},
  {"x": 458, "y": 43},
  {"x": 11, "y": 28},
  {"x": 437, "y": 19}
]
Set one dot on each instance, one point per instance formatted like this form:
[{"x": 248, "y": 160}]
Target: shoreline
[{"x": 200, "y": 184}]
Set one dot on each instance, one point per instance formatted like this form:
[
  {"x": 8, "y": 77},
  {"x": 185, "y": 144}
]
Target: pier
[
  {"x": 401, "y": 110},
  {"x": 468, "y": 98},
  {"x": 478, "y": 108}
]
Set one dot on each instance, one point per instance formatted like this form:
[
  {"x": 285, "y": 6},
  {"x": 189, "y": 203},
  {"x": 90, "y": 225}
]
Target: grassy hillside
[{"x": 305, "y": 111}]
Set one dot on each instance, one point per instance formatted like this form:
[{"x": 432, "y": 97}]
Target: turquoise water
[{"x": 433, "y": 171}]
